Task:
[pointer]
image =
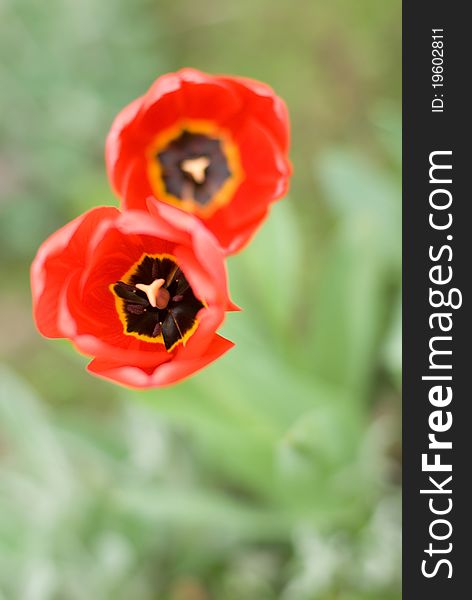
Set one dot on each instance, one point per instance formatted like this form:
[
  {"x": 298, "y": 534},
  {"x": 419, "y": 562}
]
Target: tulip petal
[
  {"x": 57, "y": 257},
  {"x": 165, "y": 374},
  {"x": 265, "y": 106}
]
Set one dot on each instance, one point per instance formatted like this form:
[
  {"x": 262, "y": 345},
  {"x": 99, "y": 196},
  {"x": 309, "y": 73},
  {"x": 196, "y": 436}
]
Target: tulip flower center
[
  {"x": 194, "y": 165},
  {"x": 156, "y": 303}
]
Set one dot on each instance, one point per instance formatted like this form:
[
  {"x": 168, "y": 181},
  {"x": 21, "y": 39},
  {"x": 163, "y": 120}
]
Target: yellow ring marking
[
  {"x": 230, "y": 151},
  {"x": 120, "y": 305}
]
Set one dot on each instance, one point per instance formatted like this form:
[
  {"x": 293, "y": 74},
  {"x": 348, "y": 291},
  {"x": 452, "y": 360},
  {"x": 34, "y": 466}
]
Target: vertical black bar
[{"x": 424, "y": 132}]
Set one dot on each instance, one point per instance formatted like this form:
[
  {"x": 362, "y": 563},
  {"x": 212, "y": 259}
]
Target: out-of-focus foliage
[{"x": 273, "y": 474}]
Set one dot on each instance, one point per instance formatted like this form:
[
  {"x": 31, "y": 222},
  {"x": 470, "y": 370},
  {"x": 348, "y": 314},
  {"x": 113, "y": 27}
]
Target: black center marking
[
  {"x": 174, "y": 321},
  {"x": 180, "y": 182}
]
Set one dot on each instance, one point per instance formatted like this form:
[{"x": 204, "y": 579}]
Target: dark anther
[
  {"x": 130, "y": 293},
  {"x": 136, "y": 309}
]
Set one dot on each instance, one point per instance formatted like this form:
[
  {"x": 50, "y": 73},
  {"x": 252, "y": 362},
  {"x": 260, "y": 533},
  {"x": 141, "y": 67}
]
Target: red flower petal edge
[
  {"x": 143, "y": 294},
  {"x": 215, "y": 146}
]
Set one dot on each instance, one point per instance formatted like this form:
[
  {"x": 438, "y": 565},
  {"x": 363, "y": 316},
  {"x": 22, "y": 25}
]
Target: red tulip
[
  {"x": 214, "y": 146},
  {"x": 142, "y": 293}
]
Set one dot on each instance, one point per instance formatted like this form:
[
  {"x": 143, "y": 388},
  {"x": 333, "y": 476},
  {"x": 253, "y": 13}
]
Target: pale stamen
[
  {"x": 196, "y": 167},
  {"x": 157, "y": 295}
]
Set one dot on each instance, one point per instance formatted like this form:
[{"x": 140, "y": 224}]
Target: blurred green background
[{"x": 273, "y": 474}]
